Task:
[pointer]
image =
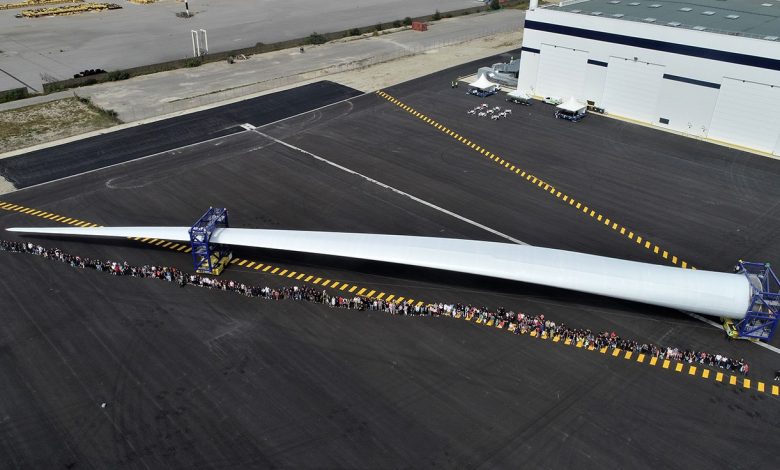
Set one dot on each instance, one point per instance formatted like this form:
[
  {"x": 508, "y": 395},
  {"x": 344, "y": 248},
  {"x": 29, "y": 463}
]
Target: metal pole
[
  {"x": 194, "y": 35},
  {"x": 187, "y": 7},
  {"x": 205, "y": 40}
]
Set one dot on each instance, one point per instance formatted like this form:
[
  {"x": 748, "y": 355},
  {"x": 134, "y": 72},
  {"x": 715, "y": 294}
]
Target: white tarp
[
  {"x": 483, "y": 83},
  {"x": 519, "y": 94},
  {"x": 706, "y": 292},
  {"x": 573, "y": 106}
]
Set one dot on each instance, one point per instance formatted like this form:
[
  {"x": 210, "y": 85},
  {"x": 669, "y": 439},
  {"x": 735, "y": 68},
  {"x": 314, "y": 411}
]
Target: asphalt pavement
[
  {"x": 120, "y": 146},
  {"x": 196, "y": 378}
]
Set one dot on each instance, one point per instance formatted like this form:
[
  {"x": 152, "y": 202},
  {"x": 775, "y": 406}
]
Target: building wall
[
  {"x": 677, "y": 87},
  {"x": 688, "y": 107}
]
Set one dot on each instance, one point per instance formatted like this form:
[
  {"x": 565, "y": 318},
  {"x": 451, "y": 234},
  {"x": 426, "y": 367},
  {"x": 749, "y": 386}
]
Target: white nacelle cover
[{"x": 705, "y": 292}]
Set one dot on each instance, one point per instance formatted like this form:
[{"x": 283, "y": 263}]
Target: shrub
[
  {"x": 436, "y": 16},
  {"x": 194, "y": 62},
  {"x": 109, "y": 113},
  {"x": 495, "y": 5},
  {"x": 52, "y": 87},
  {"x": 316, "y": 38},
  {"x": 354, "y": 32},
  {"x": 407, "y": 21},
  {"x": 378, "y": 27},
  {"x": 397, "y": 23},
  {"x": 14, "y": 94},
  {"x": 117, "y": 75}
]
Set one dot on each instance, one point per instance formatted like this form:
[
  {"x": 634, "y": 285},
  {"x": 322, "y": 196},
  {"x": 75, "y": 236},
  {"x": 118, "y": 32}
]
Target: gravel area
[{"x": 54, "y": 120}]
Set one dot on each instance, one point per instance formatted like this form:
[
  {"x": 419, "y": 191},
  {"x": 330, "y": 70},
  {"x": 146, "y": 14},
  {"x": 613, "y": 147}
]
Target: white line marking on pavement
[
  {"x": 460, "y": 217},
  {"x": 185, "y": 146},
  {"x": 698, "y": 317},
  {"x": 129, "y": 161},
  {"x": 396, "y": 190}
]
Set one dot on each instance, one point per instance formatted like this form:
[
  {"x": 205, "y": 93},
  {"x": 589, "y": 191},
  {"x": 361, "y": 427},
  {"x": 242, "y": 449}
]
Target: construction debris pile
[
  {"x": 32, "y": 3},
  {"x": 66, "y": 10}
]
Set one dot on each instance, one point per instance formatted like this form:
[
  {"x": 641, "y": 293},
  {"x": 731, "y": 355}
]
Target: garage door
[
  {"x": 561, "y": 71},
  {"x": 632, "y": 88},
  {"x": 746, "y": 114}
]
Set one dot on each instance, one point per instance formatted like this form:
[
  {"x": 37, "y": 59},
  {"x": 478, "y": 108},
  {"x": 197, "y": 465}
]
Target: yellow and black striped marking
[
  {"x": 341, "y": 287},
  {"x": 695, "y": 370},
  {"x": 545, "y": 186},
  {"x": 7, "y": 206}
]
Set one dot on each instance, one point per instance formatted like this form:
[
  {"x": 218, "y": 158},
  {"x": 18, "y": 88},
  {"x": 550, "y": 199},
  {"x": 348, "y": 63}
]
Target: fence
[
  {"x": 259, "y": 48},
  {"x": 134, "y": 113}
]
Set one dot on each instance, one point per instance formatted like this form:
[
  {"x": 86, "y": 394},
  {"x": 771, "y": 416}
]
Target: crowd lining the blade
[{"x": 515, "y": 322}]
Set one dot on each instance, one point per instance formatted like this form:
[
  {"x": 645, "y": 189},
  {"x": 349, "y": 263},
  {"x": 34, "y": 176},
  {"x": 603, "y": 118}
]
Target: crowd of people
[{"x": 515, "y": 322}]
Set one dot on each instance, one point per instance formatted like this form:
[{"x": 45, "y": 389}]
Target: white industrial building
[{"x": 709, "y": 68}]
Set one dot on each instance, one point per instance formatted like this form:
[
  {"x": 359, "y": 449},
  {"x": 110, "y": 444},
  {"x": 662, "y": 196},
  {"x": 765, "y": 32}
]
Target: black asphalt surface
[
  {"x": 194, "y": 378},
  {"x": 116, "y": 147},
  {"x": 201, "y": 379}
]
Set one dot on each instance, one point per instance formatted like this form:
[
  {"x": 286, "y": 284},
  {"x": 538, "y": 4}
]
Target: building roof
[{"x": 750, "y": 18}]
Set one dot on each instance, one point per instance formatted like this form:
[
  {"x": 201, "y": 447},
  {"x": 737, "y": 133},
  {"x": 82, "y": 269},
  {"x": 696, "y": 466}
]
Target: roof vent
[
  {"x": 649, "y": 20},
  {"x": 614, "y": 2},
  {"x": 618, "y": 15},
  {"x": 655, "y": 5},
  {"x": 766, "y": 4},
  {"x": 674, "y": 23},
  {"x": 708, "y": 13},
  {"x": 633, "y": 4},
  {"x": 732, "y": 17},
  {"x": 699, "y": 28},
  {"x": 771, "y": 38},
  {"x": 576, "y": 11},
  {"x": 686, "y": 9},
  {"x": 595, "y": 13}
]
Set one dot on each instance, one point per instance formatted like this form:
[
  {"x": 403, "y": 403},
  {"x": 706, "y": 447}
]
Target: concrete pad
[{"x": 142, "y": 34}]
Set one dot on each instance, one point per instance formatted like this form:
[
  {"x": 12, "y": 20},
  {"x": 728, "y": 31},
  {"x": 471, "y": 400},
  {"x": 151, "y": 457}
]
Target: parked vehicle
[{"x": 553, "y": 100}]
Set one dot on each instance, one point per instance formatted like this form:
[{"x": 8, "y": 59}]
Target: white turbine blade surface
[
  {"x": 179, "y": 234},
  {"x": 705, "y": 292}
]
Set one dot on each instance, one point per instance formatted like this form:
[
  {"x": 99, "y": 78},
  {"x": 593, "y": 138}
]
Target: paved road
[
  {"x": 147, "y": 139},
  {"x": 209, "y": 379},
  {"x": 143, "y": 34},
  {"x": 167, "y": 92}
]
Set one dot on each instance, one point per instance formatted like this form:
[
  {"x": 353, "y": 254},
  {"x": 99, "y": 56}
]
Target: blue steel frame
[
  {"x": 763, "y": 314},
  {"x": 200, "y": 238}
]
